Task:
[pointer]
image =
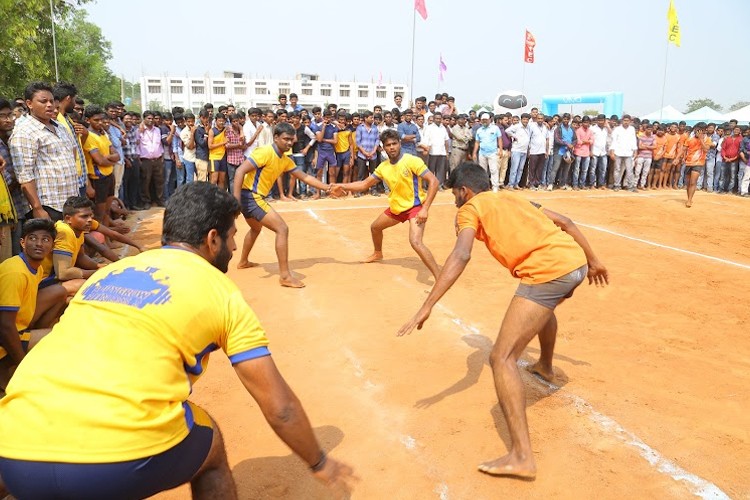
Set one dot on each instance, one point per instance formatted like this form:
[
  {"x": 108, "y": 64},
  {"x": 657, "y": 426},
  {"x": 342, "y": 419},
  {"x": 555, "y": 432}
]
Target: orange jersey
[
  {"x": 670, "y": 151},
  {"x": 660, "y": 144},
  {"x": 696, "y": 155},
  {"x": 521, "y": 237}
]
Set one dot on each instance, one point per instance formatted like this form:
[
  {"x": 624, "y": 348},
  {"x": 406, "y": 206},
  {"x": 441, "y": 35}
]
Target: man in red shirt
[{"x": 730, "y": 153}]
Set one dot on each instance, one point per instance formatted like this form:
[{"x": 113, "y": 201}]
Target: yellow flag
[{"x": 673, "y": 32}]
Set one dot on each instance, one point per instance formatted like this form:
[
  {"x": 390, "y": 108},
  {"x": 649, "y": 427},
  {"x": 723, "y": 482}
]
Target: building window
[
  {"x": 306, "y": 91},
  {"x": 199, "y": 89},
  {"x": 380, "y": 94},
  {"x": 154, "y": 89},
  {"x": 261, "y": 90},
  {"x": 175, "y": 89},
  {"x": 220, "y": 90},
  {"x": 363, "y": 93},
  {"x": 326, "y": 92},
  {"x": 285, "y": 90},
  {"x": 240, "y": 90},
  {"x": 343, "y": 93}
]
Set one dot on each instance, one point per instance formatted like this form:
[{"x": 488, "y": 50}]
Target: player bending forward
[{"x": 527, "y": 239}]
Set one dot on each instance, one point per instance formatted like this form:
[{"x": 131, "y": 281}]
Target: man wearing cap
[
  {"x": 461, "y": 136},
  {"x": 488, "y": 142}
]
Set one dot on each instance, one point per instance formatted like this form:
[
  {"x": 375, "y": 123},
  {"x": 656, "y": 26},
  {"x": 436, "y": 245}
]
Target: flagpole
[
  {"x": 523, "y": 78},
  {"x": 413, "y": 39},
  {"x": 664, "y": 81}
]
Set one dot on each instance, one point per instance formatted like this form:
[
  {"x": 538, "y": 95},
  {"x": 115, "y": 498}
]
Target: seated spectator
[{"x": 26, "y": 313}]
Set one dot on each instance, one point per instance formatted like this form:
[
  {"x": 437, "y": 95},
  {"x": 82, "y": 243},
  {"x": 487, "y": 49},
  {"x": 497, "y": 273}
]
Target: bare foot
[
  {"x": 688, "y": 204},
  {"x": 546, "y": 373},
  {"x": 291, "y": 198},
  {"x": 316, "y": 196},
  {"x": 246, "y": 264},
  {"x": 509, "y": 466},
  {"x": 376, "y": 256},
  {"x": 284, "y": 198},
  {"x": 291, "y": 282}
]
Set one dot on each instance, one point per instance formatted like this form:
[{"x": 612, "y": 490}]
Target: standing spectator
[
  {"x": 461, "y": 137},
  {"x": 294, "y": 106},
  {"x": 151, "y": 153},
  {"x": 436, "y": 138},
  {"x": 101, "y": 157},
  {"x": 745, "y": 165},
  {"x": 598, "y": 164},
  {"x": 367, "y": 139},
  {"x": 65, "y": 96},
  {"x": 730, "y": 153},
  {"x": 167, "y": 129},
  {"x": 201, "y": 145},
  {"x": 503, "y": 154},
  {"x": 326, "y": 138},
  {"x": 622, "y": 150},
  {"x": 251, "y": 130},
  {"x": 582, "y": 152},
  {"x": 132, "y": 177},
  {"x": 646, "y": 147},
  {"x": 282, "y": 104},
  {"x": 538, "y": 142},
  {"x": 7, "y": 120},
  {"x": 671, "y": 157},
  {"x": 520, "y": 134},
  {"x": 178, "y": 151},
  {"x": 707, "y": 180},
  {"x": 660, "y": 146},
  {"x": 116, "y": 131},
  {"x": 408, "y": 132},
  {"x": 43, "y": 156},
  {"x": 419, "y": 121},
  {"x": 564, "y": 141},
  {"x": 217, "y": 151},
  {"x": 398, "y": 100},
  {"x": 187, "y": 136},
  {"x": 235, "y": 147},
  {"x": 266, "y": 132},
  {"x": 486, "y": 146}
]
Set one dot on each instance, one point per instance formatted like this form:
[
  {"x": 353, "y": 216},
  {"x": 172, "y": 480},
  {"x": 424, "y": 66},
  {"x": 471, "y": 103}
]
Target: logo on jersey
[{"x": 132, "y": 287}]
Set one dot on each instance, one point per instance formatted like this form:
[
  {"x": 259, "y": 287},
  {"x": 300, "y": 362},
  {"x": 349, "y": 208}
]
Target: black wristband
[{"x": 321, "y": 462}]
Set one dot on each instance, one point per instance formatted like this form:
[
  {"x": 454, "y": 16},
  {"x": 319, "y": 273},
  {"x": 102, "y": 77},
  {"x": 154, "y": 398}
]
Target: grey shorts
[{"x": 553, "y": 292}]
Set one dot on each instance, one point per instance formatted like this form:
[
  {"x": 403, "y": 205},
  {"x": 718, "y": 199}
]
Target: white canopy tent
[
  {"x": 667, "y": 113},
  {"x": 741, "y": 115},
  {"x": 704, "y": 114}
]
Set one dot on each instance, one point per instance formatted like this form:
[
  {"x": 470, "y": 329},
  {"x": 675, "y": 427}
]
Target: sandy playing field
[{"x": 651, "y": 396}]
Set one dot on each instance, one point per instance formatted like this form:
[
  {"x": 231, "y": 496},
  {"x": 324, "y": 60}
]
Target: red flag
[
  {"x": 421, "y": 8},
  {"x": 528, "y": 53}
]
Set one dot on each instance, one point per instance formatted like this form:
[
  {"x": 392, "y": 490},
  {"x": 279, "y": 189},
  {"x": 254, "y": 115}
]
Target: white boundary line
[{"x": 696, "y": 484}]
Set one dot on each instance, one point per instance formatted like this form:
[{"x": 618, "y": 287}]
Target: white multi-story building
[{"x": 233, "y": 88}]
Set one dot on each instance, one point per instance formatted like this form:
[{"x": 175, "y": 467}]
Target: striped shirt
[
  {"x": 131, "y": 143},
  {"x": 47, "y": 157}
]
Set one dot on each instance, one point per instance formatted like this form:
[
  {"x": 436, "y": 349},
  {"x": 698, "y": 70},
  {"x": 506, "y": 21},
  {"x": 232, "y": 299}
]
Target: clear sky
[{"x": 481, "y": 41}]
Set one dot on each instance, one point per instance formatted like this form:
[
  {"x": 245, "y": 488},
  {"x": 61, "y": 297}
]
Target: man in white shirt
[
  {"x": 398, "y": 101},
  {"x": 187, "y": 136},
  {"x": 251, "y": 130},
  {"x": 622, "y": 151},
  {"x": 538, "y": 143},
  {"x": 520, "y": 134},
  {"x": 598, "y": 167},
  {"x": 436, "y": 138}
]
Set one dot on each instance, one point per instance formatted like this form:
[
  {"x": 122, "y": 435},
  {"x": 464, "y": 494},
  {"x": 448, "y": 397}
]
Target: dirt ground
[{"x": 651, "y": 395}]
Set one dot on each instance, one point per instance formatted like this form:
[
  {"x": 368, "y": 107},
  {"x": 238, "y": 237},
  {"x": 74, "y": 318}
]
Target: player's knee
[
  {"x": 498, "y": 358},
  {"x": 415, "y": 242}
]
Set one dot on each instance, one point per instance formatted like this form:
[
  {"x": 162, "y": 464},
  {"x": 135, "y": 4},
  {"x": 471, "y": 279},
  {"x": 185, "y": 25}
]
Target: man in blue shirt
[
  {"x": 367, "y": 140},
  {"x": 326, "y": 138},
  {"x": 116, "y": 132},
  {"x": 486, "y": 145},
  {"x": 408, "y": 132}
]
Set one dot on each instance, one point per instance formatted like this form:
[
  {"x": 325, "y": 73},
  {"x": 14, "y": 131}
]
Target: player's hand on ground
[
  {"x": 416, "y": 322},
  {"x": 338, "y": 477},
  {"x": 598, "y": 274},
  {"x": 422, "y": 216}
]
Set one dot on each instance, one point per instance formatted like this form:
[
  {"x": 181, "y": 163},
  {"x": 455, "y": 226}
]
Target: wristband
[{"x": 321, "y": 462}]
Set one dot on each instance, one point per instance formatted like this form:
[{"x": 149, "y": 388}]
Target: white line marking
[
  {"x": 696, "y": 484},
  {"x": 442, "y": 491},
  {"x": 659, "y": 245}
]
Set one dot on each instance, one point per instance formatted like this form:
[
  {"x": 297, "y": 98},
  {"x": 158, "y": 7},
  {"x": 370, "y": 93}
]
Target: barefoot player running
[
  {"x": 407, "y": 200},
  {"x": 527, "y": 239}
]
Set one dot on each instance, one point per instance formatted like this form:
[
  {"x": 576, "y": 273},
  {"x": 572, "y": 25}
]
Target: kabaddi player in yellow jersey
[
  {"x": 551, "y": 257},
  {"x": 26, "y": 313},
  {"x": 253, "y": 182},
  {"x": 101, "y": 157},
  {"x": 403, "y": 173},
  {"x": 99, "y": 409}
]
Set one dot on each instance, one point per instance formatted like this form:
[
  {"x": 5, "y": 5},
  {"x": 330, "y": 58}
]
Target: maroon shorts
[{"x": 403, "y": 216}]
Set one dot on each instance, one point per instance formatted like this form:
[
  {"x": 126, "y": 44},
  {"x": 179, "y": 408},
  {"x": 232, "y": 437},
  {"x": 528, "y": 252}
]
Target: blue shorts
[
  {"x": 118, "y": 480},
  {"x": 325, "y": 157},
  {"x": 253, "y": 206},
  {"x": 342, "y": 159},
  {"x": 218, "y": 165}
]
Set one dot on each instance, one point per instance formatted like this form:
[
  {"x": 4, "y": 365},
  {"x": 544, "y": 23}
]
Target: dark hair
[
  {"x": 327, "y": 112},
  {"x": 284, "y": 128},
  {"x": 566, "y": 115},
  {"x": 254, "y": 111},
  {"x": 280, "y": 112},
  {"x": 177, "y": 110},
  {"x": 166, "y": 115},
  {"x": 469, "y": 175},
  {"x": 93, "y": 110},
  {"x": 179, "y": 116},
  {"x": 234, "y": 116},
  {"x": 282, "y": 96},
  {"x": 189, "y": 116},
  {"x": 158, "y": 114},
  {"x": 222, "y": 108},
  {"x": 389, "y": 134},
  {"x": 4, "y": 103},
  {"x": 75, "y": 203},
  {"x": 293, "y": 95},
  {"x": 208, "y": 105},
  {"x": 421, "y": 99},
  {"x": 220, "y": 116},
  {"x": 586, "y": 119},
  {"x": 62, "y": 90},
  {"x": 628, "y": 117},
  {"x": 699, "y": 125},
  {"x": 146, "y": 113},
  {"x": 366, "y": 113},
  {"x": 525, "y": 115},
  {"x": 194, "y": 210},
  {"x": 681, "y": 122},
  {"x": 316, "y": 109},
  {"x": 203, "y": 113},
  {"x": 32, "y": 225},
  {"x": 111, "y": 105},
  {"x": 80, "y": 101},
  {"x": 35, "y": 87}
]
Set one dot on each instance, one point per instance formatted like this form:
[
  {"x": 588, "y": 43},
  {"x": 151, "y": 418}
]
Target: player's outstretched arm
[
  {"x": 454, "y": 266},
  {"x": 311, "y": 181},
  {"x": 114, "y": 235},
  {"x": 360, "y": 186},
  {"x": 284, "y": 413},
  {"x": 597, "y": 272}
]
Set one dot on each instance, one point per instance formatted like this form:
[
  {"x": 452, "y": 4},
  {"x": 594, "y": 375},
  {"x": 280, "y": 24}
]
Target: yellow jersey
[
  {"x": 342, "y": 140},
  {"x": 62, "y": 121},
  {"x": 269, "y": 164},
  {"x": 403, "y": 179},
  {"x": 110, "y": 383},
  {"x": 66, "y": 243},
  {"x": 100, "y": 143},
  {"x": 18, "y": 286},
  {"x": 220, "y": 152}
]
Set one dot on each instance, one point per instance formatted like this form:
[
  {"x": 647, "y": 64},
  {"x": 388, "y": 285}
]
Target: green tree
[
  {"x": 590, "y": 112},
  {"x": 485, "y": 106},
  {"x": 694, "y": 104},
  {"x": 738, "y": 105},
  {"x": 156, "y": 106}
]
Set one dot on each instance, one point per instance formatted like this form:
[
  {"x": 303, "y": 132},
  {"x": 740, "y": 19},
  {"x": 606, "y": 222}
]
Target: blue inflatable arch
[{"x": 612, "y": 102}]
